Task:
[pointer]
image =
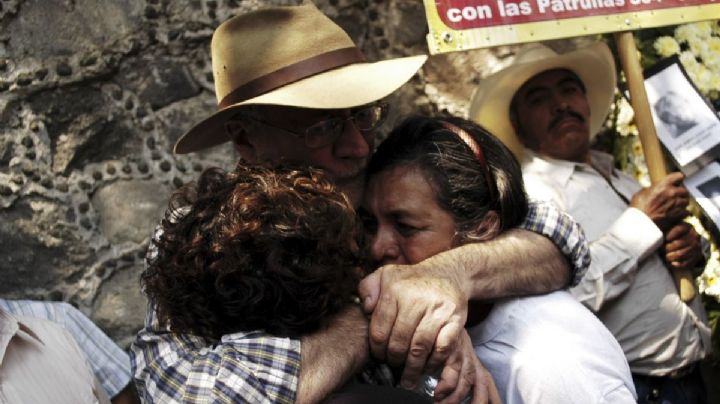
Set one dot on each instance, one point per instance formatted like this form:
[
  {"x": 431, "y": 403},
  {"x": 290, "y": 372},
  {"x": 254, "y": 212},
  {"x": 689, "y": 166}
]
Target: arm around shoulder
[
  {"x": 517, "y": 263},
  {"x": 546, "y": 253}
]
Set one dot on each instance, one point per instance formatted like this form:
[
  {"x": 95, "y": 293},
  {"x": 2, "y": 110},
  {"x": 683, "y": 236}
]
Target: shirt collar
[
  {"x": 11, "y": 327},
  {"x": 558, "y": 170},
  {"x": 604, "y": 163},
  {"x": 562, "y": 170}
]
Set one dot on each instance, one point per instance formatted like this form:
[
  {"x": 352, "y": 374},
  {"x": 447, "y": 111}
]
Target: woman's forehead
[{"x": 401, "y": 186}]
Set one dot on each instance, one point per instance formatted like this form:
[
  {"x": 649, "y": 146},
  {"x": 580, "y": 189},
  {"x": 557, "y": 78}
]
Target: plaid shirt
[
  {"x": 251, "y": 367},
  {"x": 259, "y": 368},
  {"x": 546, "y": 219}
]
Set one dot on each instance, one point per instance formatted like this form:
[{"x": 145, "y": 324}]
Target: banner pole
[{"x": 648, "y": 137}]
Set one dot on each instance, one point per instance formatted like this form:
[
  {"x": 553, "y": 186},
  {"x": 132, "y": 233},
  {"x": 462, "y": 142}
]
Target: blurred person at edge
[
  {"x": 40, "y": 362},
  {"x": 109, "y": 363}
]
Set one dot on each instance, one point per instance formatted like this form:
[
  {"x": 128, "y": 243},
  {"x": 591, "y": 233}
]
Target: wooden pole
[{"x": 648, "y": 137}]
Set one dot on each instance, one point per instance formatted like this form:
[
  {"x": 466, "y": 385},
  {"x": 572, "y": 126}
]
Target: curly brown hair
[{"x": 274, "y": 249}]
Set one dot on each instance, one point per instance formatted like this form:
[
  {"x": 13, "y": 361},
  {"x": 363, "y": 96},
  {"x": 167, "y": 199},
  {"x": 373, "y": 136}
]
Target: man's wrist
[{"x": 451, "y": 265}]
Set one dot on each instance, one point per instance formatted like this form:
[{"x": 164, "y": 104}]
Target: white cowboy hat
[
  {"x": 291, "y": 56},
  {"x": 593, "y": 64}
]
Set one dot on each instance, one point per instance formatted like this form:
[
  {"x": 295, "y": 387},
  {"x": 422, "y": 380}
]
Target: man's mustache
[{"x": 565, "y": 114}]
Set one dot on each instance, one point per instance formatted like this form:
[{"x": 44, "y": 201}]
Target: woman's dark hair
[
  {"x": 255, "y": 249},
  {"x": 459, "y": 177}
]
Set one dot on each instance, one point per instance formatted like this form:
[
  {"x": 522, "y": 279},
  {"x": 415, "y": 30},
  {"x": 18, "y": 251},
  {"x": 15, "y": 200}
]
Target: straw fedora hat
[
  {"x": 594, "y": 65},
  {"x": 291, "y": 56}
]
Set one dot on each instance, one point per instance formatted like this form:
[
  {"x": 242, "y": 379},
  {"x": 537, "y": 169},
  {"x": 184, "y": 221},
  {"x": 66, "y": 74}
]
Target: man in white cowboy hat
[
  {"x": 547, "y": 107},
  {"x": 292, "y": 86}
]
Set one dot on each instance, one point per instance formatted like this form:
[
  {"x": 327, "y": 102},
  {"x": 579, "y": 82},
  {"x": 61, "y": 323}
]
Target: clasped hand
[
  {"x": 665, "y": 203},
  {"x": 683, "y": 249},
  {"x": 418, "y": 320}
]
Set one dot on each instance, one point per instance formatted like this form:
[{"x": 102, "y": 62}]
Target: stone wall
[{"x": 93, "y": 95}]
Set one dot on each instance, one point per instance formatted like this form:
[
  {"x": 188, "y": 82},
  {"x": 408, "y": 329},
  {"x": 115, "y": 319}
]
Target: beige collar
[{"x": 13, "y": 327}]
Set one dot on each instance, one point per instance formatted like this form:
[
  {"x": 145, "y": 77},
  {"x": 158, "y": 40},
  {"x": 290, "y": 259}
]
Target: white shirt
[
  {"x": 41, "y": 363},
  {"x": 627, "y": 285},
  {"x": 109, "y": 362},
  {"x": 551, "y": 349}
]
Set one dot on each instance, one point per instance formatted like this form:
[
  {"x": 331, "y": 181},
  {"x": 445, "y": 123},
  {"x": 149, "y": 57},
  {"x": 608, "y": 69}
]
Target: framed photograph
[
  {"x": 686, "y": 124},
  {"x": 704, "y": 186}
]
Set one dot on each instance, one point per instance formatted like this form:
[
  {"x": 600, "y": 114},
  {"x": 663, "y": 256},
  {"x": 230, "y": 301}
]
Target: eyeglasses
[{"x": 325, "y": 132}]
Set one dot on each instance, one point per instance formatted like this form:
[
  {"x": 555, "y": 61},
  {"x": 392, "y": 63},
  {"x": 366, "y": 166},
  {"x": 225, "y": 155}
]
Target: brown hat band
[{"x": 292, "y": 73}]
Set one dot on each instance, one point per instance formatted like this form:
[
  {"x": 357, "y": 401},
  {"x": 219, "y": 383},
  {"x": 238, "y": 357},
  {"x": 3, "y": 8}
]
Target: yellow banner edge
[{"x": 442, "y": 39}]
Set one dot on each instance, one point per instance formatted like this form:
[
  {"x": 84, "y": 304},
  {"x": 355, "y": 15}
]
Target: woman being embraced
[{"x": 434, "y": 184}]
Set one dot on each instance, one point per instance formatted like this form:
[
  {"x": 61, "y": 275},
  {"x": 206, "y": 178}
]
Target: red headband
[{"x": 477, "y": 152}]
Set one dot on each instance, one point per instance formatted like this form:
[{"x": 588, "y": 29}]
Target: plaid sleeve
[
  {"x": 546, "y": 219},
  {"x": 243, "y": 367}
]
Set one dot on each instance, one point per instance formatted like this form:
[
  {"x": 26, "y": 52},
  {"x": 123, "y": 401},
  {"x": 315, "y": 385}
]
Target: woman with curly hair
[
  {"x": 255, "y": 249},
  {"x": 275, "y": 250}
]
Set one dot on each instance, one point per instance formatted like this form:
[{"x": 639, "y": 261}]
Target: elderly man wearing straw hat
[
  {"x": 292, "y": 86},
  {"x": 547, "y": 107}
]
